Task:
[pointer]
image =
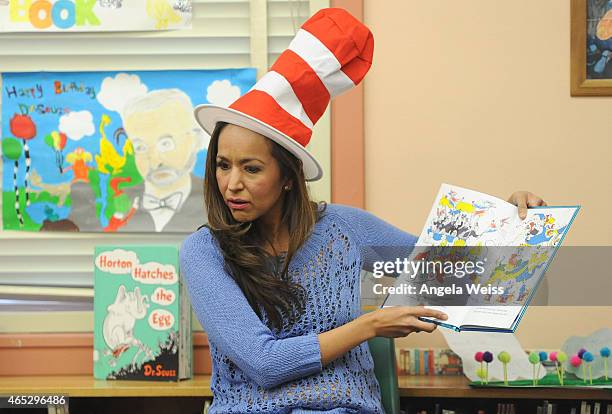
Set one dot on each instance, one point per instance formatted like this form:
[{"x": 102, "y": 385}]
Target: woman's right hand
[
  {"x": 399, "y": 321},
  {"x": 392, "y": 322}
]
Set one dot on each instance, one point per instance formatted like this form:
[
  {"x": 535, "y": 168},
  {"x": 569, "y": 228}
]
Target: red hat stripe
[
  {"x": 260, "y": 105},
  {"x": 275, "y": 85},
  {"x": 305, "y": 83},
  {"x": 322, "y": 61},
  {"x": 348, "y": 39}
]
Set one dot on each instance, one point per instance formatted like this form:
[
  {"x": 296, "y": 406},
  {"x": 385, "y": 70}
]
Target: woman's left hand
[{"x": 524, "y": 199}]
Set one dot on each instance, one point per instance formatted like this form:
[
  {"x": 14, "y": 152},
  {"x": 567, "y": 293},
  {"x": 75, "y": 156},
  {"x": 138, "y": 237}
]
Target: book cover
[
  {"x": 432, "y": 366},
  {"x": 142, "y": 317},
  {"x": 440, "y": 361}
]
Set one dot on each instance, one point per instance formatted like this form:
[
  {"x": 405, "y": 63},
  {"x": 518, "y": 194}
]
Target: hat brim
[{"x": 208, "y": 115}]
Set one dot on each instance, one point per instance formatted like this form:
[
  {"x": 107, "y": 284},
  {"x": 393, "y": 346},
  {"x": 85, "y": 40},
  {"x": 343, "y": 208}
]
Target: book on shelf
[
  {"x": 596, "y": 408},
  {"x": 431, "y": 361},
  {"x": 477, "y": 260},
  {"x": 142, "y": 314}
]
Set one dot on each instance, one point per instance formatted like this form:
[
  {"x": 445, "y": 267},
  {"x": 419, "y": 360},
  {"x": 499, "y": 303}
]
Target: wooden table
[
  {"x": 87, "y": 390},
  {"x": 86, "y": 386},
  {"x": 199, "y": 386}
]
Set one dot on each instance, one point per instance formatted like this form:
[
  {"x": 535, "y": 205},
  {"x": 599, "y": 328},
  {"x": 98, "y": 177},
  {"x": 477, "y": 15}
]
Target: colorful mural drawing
[
  {"x": 108, "y": 151},
  {"x": 93, "y": 15}
]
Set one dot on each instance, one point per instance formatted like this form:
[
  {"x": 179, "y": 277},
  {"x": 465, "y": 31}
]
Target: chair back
[{"x": 385, "y": 369}]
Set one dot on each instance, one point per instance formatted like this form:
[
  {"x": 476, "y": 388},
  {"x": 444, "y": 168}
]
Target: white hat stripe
[
  {"x": 322, "y": 61},
  {"x": 279, "y": 88},
  {"x": 330, "y": 54}
]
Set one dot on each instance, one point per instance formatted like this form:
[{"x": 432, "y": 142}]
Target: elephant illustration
[{"x": 118, "y": 326}]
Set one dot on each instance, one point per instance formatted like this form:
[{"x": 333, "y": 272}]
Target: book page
[
  {"x": 456, "y": 314},
  {"x": 458, "y": 217},
  {"x": 491, "y": 316},
  {"x": 519, "y": 267},
  {"x": 462, "y": 217},
  {"x": 543, "y": 226}
]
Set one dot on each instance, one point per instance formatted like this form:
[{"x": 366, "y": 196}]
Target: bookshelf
[
  {"x": 416, "y": 392},
  {"x": 433, "y": 395}
]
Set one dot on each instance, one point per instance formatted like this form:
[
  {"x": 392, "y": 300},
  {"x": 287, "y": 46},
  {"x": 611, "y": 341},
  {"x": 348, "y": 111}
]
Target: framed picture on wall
[{"x": 591, "y": 48}]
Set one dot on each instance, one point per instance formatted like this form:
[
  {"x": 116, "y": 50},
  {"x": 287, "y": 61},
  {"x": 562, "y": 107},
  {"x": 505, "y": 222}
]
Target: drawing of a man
[{"x": 166, "y": 140}]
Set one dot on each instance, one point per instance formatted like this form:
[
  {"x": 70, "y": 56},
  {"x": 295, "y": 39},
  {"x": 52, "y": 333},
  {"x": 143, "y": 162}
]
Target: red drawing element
[
  {"x": 532, "y": 229},
  {"x": 120, "y": 350},
  {"x": 117, "y": 221},
  {"x": 22, "y": 127},
  {"x": 62, "y": 141},
  {"x": 114, "y": 183}
]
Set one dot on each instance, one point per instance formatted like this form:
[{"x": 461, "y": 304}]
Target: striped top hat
[{"x": 330, "y": 54}]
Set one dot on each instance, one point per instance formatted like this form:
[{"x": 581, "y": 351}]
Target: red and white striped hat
[{"x": 330, "y": 54}]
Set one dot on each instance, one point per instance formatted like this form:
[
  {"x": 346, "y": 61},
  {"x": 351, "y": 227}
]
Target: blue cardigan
[{"x": 256, "y": 370}]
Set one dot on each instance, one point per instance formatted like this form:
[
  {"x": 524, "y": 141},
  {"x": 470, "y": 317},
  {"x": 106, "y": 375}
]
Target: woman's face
[{"x": 248, "y": 176}]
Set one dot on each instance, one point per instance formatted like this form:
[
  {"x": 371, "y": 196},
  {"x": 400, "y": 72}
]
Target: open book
[{"x": 508, "y": 258}]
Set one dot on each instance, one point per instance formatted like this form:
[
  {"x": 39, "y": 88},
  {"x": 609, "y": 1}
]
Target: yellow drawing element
[
  {"x": 461, "y": 205},
  {"x": 604, "y": 26},
  {"x": 79, "y": 154},
  {"x": 55, "y": 136},
  {"x": 104, "y": 122},
  {"x": 536, "y": 260},
  {"x": 459, "y": 242},
  {"x": 109, "y": 157},
  {"x": 444, "y": 202},
  {"x": 163, "y": 13},
  {"x": 511, "y": 270},
  {"x": 465, "y": 207},
  {"x": 476, "y": 251}
]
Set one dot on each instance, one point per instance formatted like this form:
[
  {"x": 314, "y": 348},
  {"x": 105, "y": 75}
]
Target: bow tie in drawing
[{"x": 150, "y": 202}]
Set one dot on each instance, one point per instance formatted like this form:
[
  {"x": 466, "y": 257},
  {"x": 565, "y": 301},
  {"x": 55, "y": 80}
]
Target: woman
[{"x": 274, "y": 277}]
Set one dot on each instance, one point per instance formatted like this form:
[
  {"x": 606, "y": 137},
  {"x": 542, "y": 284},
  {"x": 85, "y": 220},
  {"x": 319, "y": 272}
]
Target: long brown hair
[{"x": 242, "y": 243}]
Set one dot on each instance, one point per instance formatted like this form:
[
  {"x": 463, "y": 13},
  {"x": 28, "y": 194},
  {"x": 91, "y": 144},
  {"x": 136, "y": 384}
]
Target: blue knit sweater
[{"x": 256, "y": 370}]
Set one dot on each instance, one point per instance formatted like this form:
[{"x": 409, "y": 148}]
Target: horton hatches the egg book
[{"x": 142, "y": 316}]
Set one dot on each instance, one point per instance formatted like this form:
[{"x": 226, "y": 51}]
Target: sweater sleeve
[
  {"x": 377, "y": 239},
  {"x": 233, "y": 326}
]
